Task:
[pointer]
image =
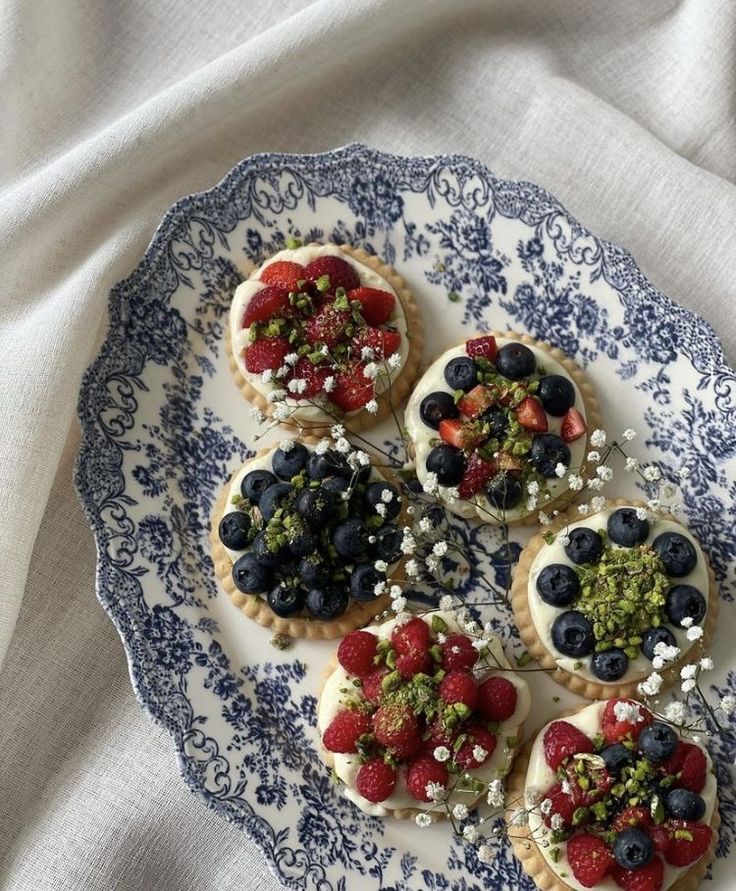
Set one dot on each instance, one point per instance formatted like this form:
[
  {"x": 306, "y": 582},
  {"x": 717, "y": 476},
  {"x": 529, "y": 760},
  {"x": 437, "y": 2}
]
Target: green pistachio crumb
[{"x": 281, "y": 641}]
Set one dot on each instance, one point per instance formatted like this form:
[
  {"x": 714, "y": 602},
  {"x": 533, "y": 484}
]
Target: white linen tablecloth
[{"x": 110, "y": 112}]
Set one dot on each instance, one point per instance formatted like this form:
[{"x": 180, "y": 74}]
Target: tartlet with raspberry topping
[
  {"x": 321, "y": 332},
  {"x": 411, "y": 712},
  {"x": 501, "y": 418},
  {"x": 615, "y": 799}
]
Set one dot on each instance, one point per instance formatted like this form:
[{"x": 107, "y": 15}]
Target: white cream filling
[
  {"x": 347, "y": 766},
  {"x": 240, "y": 337},
  {"x": 543, "y": 615},
  {"x": 540, "y": 778},
  {"x": 433, "y": 380}
]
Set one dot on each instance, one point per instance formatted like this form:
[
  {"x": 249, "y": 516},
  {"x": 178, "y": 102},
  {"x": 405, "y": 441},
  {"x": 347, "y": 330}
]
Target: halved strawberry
[
  {"x": 477, "y": 473},
  {"x": 507, "y": 461},
  {"x": 266, "y": 354},
  {"x": 614, "y": 729},
  {"x": 573, "y": 426},
  {"x": 327, "y": 325},
  {"x": 562, "y": 739},
  {"x": 461, "y": 434},
  {"x": 340, "y": 273},
  {"x": 314, "y": 375},
  {"x": 376, "y": 306},
  {"x": 476, "y": 401},
  {"x": 531, "y": 415},
  {"x": 283, "y": 273},
  {"x": 484, "y": 346},
  {"x": 383, "y": 341},
  {"x": 352, "y": 389},
  {"x": 265, "y": 304},
  {"x": 688, "y": 841}
]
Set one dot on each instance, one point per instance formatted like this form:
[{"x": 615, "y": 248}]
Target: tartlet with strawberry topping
[
  {"x": 615, "y": 799},
  {"x": 305, "y": 537},
  {"x": 411, "y": 713},
  {"x": 321, "y": 332},
  {"x": 501, "y": 418}
]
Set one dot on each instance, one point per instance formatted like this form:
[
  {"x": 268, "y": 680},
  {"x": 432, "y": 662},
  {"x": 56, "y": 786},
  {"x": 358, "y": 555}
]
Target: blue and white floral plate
[{"x": 163, "y": 426}]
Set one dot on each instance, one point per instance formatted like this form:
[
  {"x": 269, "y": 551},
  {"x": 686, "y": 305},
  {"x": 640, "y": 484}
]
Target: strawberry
[
  {"x": 383, "y": 341},
  {"x": 409, "y": 664},
  {"x": 694, "y": 770},
  {"x": 356, "y": 653},
  {"x": 346, "y": 728},
  {"x": 458, "y": 686},
  {"x": 423, "y": 771},
  {"x": 376, "y": 780},
  {"x": 497, "y": 699},
  {"x": 562, "y": 739},
  {"x": 660, "y": 838},
  {"x": 283, "y": 273},
  {"x": 477, "y": 748},
  {"x": 376, "y": 306},
  {"x": 590, "y": 858},
  {"x": 314, "y": 375},
  {"x": 531, "y": 416},
  {"x": 341, "y": 273},
  {"x": 562, "y": 804},
  {"x": 631, "y": 817},
  {"x": 397, "y": 728},
  {"x": 683, "y": 849},
  {"x": 327, "y": 325},
  {"x": 475, "y": 401},
  {"x": 646, "y": 878},
  {"x": 615, "y": 730},
  {"x": 573, "y": 426},
  {"x": 458, "y": 653},
  {"x": 411, "y": 637},
  {"x": 266, "y": 354},
  {"x": 265, "y": 304},
  {"x": 352, "y": 389},
  {"x": 507, "y": 461},
  {"x": 372, "y": 684},
  {"x": 485, "y": 346},
  {"x": 477, "y": 473},
  {"x": 461, "y": 434}
]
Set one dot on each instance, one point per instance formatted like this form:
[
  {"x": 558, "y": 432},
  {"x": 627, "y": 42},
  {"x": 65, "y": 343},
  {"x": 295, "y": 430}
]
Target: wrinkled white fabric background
[{"x": 110, "y": 112}]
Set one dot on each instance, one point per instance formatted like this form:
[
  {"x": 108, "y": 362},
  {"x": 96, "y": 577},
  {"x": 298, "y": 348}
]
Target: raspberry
[
  {"x": 485, "y": 346},
  {"x": 562, "y": 804},
  {"x": 356, "y": 652},
  {"x": 411, "y": 642},
  {"x": 457, "y": 686},
  {"x": 372, "y": 688},
  {"x": 694, "y": 770},
  {"x": 647, "y": 878},
  {"x": 458, "y": 653},
  {"x": 477, "y": 473},
  {"x": 478, "y": 737},
  {"x": 397, "y": 728},
  {"x": 283, "y": 273},
  {"x": 614, "y": 730},
  {"x": 266, "y": 354},
  {"x": 422, "y": 771},
  {"x": 352, "y": 389},
  {"x": 327, "y": 325},
  {"x": 599, "y": 783},
  {"x": 497, "y": 699},
  {"x": 314, "y": 375},
  {"x": 683, "y": 851},
  {"x": 631, "y": 817},
  {"x": 589, "y": 858},
  {"x": 561, "y": 740},
  {"x": 375, "y": 306},
  {"x": 339, "y": 271},
  {"x": 265, "y": 304},
  {"x": 438, "y": 736},
  {"x": 383, "y": 341},
  {"x": 674, "y": 764},
  {"x": 343, "y": 733},
  {"x": 376, "y": 780},
  {"x": 660, "y": 838}
]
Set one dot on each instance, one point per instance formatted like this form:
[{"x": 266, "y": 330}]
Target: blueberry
[
  {"x": 616, "y": 757},
  {"x": 437, "y": 407},
  {"x": 250, "y": 576},
  {"x": 654, "y": 636},
  {"x": 301, "y": 543},
  {"x": 556, "y": 393},
  {"x": 327, "y": 603},
  {"x": 326, "y": 464},
  {"x": 626, "y": 529},
  {"x": 336, "y": 485},
  {"x": 682, "y": 804},
  {"x": 363, "y": 581},
  {"x": 387, "y": 545},
  {"x": 683, "y": 601},
  {"x": 268, "y": 556},
  {"x": 498, "y": 420},
  {"x": 316, "y": 506},
  {"x": 255, "y": 483},
  {"x": 286, "y": 600},
  {"x": 572, "y": 634},
  {"x": 461, "y": 373},
  {"x": 657, "y": 742},
  {"x": 676, "y": 553},
  {"x": 633, "y": 849},
  {"x": 610, "y": 665},
  {"x": 350, "y": 537},
  {"x": 448, "y": 463},
  {"x": 558, "y": 584},
  {"x": 504, "y": 490},
  {"x": 233, "y": 530},
  {"x": 585, "y": 546},
  {"x": 547, "y": 451},
  {"x": 288, "y": 464},
  {"x": 273, "y": 498},
  {"x": 313, "y": 571},
  {"x": 515, "y": 361},
  {"x": 374, "y": 495}
]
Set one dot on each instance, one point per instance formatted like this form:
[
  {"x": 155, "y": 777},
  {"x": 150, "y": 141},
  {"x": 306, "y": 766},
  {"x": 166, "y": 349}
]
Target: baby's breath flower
[
  {"x": 604, "y": 472},
  {"x": 291, "y": 358},
  {"x": 688, "y": 685},
  {"x": 486, "y": 854},
  {"x": 408, "y": 542},
  {"x": 495, "y": 797},
  {"x": 440, "y": 549},
  {"x": 595, "y": 484},
  {"x": 394, "y": 360},
  {"x": 441, "y": 753},
  {"x": 575, "y": 482},
  {"x": 379, "y": 588},
  {"x": 728, "y": 704},
  {"x": 593, "y": 457},
  {"x": 556, "y": 822},
  {"x": 651, "y": 473},
  {"x": 471, "y": 833},
  {"x": 366, "y": 353},
  {"x": 460, "y": 812},
  {"x": 412, "y": 569},
  {"x": 642, "y": 513},
  {"x": 337, "y": 430},
  {"x": 281, "y": 412},
  {"x": 276, "y": 396},
  {"x": 450, "y": 494},
  {"x": 563, "y": 540},
  {"x": 565, "y": 787},
  {"x": 597, "y": 502},
  {"x": 398, "y": 604},
  {"x": 322, "y": 446},
  {"x": 479, "y": 754},
  {"x": 363, "y": 458},
  {"x": 479, "y": 644},
  {"x": 433, "y": 563},
  {"x": 329, "y": 384},
  {"x": 267, "y": 376},
  {"x": 694, "y": 633},
  {"x": 632, "y": 464},
  {"x": 446, "y": 602},
  {"x": 687, "y": 622},
  {"x": 520, "y": 817},
  {"x": 371, "y": 407},
  {"x": 583, "y": 508},
  {"x": 381, "y": 510},
  {"x": 676, "y": 713},
  {"x": 598, "y": 438},
  {"x": 546, "y": 806},
  {"x": 652, "y": 685},
  {"x": 282, "y": 372},
  {"x": 544, "y": 518},
  {"x": 532, "y": 487},
  {"x": 627, "y": 711},
  {"x": 629, "y": 434},
  {"x": 381, "y": 565},
  {"x": 387, "y": 496},
  {"x": 560, "y": 469},
  {"x": 531, "y": 503},
  {"x": 431, "y": 485},
  {"x": 423, "y": 820},
  {"x": 435, "y": 791},
  {"x": 371, "y": 371},
  {"x": 257, "y": 415},
  {"x": 706, "y": 664}
]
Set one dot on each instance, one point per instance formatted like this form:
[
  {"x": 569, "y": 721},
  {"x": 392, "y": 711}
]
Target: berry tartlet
[
  {"x": 604, "y": 599},
  {"x": 322, "y": 332},
  {"x": 501, "y": 418},
  {"x": 411, "y": 712},
  {"x": 615, "y": 799},
  {"x": 305, "y": 537}
]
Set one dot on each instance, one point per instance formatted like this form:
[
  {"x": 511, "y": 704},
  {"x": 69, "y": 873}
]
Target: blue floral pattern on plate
[{"x": 163, "y": 426}]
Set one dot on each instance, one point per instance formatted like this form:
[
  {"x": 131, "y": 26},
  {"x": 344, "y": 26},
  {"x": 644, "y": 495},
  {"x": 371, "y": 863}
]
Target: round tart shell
[
  {"x": 400, "y": 386},
  {"x": 574, "y": 682}
]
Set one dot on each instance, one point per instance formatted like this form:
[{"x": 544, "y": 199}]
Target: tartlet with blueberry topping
[
  {"x": 304, "y": 538},
  {"x": 411, "y": 712},
  {"x": 615, "y": 799},
  {"x": 322, "y": 332},
  {"x": 501, "y": 417},
  {"x": 603, "y": 600}
]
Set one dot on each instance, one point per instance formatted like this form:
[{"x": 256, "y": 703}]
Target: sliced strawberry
[
  {"x": 531, "y": 415},
  {"x": 376, "y": 306},
  {"x": 283, "y": 273},
  {"x": 562, "y": 739},
  {"x": 383, "y": 341},
  {"x": 562, "y": 804},
  {"x": 573, "y": 426},
  {"x": 694, "y": 770},
  {"x": 646, "y": 878},
  {"x": 476, "y": 401},
  {"x": 507, "y": 461},
  {"x": 590, "y": 858},
  {"x": 339, "y": 271},
  {"x": 688, "y": 841},
  {"x": 266, "y": 354},
  {"x": 461, "y": 434},
  {"x": 477, "y": 473},
  {"x": 265, "y": 304},
  {"x": 485, "y": 346},
  {"x": 614, "y": 730},
  {"x": 327, "y": 325},
  {"x": 352, "y": 389},
  {"x": 314, "y": 375}
]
